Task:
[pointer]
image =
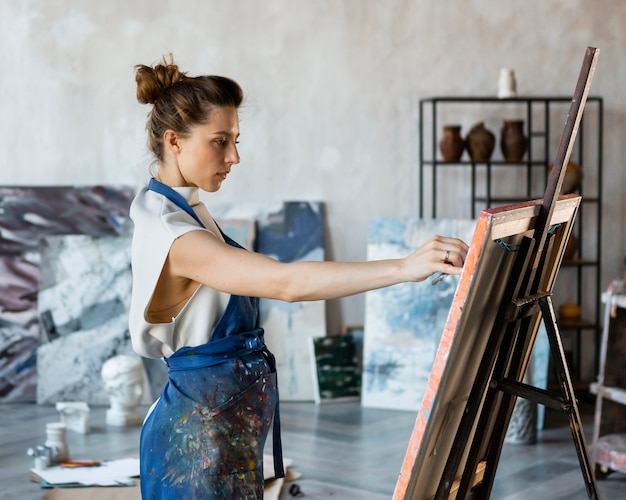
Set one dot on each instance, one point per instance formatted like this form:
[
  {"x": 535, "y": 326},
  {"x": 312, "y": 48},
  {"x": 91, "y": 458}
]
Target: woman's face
[{"x": 207, "y": 155}]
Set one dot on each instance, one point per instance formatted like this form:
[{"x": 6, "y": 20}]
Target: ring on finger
[{"x": 446, "y": 258}]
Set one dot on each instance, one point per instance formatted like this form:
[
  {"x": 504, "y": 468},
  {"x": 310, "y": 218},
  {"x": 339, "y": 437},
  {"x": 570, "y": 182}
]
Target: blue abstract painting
[
  {"x": 404, "y": 323},
  {"x": 84, "y": 292},
  {"x": 289, "y": 232},
  {"x": 243, "y": 231}
]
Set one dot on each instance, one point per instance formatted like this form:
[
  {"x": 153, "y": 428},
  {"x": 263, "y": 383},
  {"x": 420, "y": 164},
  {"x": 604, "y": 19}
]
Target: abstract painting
[
  {"x": 28, "y": 214},
  {"x": 289, "y": 232},
  {"x": 336, "y": 373},
  {"x": 243, "y": 231},
  {"x": 403, "y": 323},
  {"x": 84, "y": 292}
]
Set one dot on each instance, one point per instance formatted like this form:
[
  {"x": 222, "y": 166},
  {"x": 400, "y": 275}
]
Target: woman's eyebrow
[{"x": 225, "y": 132}]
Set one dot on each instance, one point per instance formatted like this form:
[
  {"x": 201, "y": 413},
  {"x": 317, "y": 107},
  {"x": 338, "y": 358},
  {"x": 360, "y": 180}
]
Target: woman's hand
[{"x": 438, "y": 254}]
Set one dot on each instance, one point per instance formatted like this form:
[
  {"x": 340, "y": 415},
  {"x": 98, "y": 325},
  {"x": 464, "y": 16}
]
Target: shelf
[
  {"x": 506, "y": 100},
  {"x": 521, "y": 199},
  {"x": 499, "y": 163},
  {"x": 616, "y": 394},
  {"x": 502, "y": 199},
  {"x": 580, "y": 324},
  {"x": 579, "y": 262},
  {"x": 610, "y": 453},
  {"x": 608, "y": 439},
  {"x": 440, "y": 182}
]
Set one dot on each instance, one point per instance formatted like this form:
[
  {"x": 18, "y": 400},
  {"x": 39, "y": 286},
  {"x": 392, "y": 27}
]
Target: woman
[{"x": 195, "y": 304}]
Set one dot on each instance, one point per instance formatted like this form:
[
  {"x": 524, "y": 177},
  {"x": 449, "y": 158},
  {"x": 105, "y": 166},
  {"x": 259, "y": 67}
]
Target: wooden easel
[{"x": 474, "y": 451}]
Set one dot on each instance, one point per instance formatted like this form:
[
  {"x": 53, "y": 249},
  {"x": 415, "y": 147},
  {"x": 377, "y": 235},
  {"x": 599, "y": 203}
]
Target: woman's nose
[{"x": 233, "y": 156}]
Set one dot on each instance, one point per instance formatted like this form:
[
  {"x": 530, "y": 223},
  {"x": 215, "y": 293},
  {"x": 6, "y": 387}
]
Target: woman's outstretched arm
[{"x": 201, "y": 257}]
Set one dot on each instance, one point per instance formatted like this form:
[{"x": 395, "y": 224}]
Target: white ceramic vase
[{"x": 507, "y": 86}]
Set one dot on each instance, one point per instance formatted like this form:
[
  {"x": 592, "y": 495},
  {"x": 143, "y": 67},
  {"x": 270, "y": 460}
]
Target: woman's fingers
[{"x": 451, "y": 251}]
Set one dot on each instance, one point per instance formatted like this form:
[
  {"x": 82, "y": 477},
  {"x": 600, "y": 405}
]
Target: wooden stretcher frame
[{"x": 503, "y": 294}]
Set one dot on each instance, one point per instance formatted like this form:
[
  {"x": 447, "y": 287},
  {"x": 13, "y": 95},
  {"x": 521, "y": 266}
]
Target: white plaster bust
[
  {"x": 75, "y": 415},
  {"x": 124, "y": 379}
]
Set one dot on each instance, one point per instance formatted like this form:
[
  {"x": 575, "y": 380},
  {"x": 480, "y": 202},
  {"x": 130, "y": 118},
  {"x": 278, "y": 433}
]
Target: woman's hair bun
[{"x": 152, "y": 81}]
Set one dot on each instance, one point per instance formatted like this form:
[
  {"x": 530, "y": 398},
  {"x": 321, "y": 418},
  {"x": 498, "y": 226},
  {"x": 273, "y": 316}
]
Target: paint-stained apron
[{"x": 204, "y": 438}]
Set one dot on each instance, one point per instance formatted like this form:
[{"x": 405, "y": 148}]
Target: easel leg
[{"x": 565, "y": 382}]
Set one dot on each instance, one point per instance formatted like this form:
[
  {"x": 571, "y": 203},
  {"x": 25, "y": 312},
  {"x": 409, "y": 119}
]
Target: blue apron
[{"x": 204, "y": 438}]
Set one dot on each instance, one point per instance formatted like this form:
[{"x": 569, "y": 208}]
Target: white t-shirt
[{"x": 158, "y": 222}]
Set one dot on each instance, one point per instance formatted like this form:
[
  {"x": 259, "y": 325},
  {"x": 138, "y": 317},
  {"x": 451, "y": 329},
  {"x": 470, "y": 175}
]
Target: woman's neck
[{"x": 170, "y": 176}]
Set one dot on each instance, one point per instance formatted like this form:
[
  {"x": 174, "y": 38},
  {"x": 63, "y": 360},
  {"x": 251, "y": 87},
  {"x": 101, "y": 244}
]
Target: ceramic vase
[
  {"x": 569, "y": 311},
  {"x": 480, "y": 143},
  {"x": 513, "y": 142},
  {"x": 572, "y": 179},
  {"x": 507, "y": 85},
  {"x": 451, "y": 144}
]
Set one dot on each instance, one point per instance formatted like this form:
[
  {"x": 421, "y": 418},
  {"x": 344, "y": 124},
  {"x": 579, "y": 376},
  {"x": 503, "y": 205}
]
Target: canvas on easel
[
  {"x": 490, "y": 262},
  {"x": 504, "y": 293}
]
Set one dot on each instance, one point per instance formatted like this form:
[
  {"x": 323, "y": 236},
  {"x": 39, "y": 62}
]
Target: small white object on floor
[{"x": 75, "y": 415}]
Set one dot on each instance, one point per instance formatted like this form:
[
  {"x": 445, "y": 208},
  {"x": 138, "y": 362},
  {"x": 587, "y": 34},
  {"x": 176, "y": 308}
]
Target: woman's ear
[{"x": 172, "y": 142}]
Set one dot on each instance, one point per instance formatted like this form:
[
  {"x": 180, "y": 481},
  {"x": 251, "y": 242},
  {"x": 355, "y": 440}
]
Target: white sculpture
[
  {"x": 75, "y": 415},
  {"x": 124, "y": 380}
]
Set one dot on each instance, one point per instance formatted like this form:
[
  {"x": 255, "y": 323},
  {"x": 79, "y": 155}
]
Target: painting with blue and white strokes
[
  {"x": 289, "y": 231},
  {"x": 84, "y": 292},
  {"x": 28, "y": 214},
  {"x": 404, "y": 323}
]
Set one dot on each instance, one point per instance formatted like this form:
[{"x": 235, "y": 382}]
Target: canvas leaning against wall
[
  {"x": 85, "y": 286},
  {"x": 403, "y": 323},
  {"x": 28, "y": 214},
  {"x": 289, "y": 232},
  {"x": 84, "y": 292},
  {"x": 286, "y": 231}
]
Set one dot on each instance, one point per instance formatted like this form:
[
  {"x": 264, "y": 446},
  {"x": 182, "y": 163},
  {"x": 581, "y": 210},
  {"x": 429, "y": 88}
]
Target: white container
[
  {"x": 57, "y": 440},
  {"x": 507, "y": 86},
  {"x": 75, "y": 415},
  {"x": 41, "y": 463}
]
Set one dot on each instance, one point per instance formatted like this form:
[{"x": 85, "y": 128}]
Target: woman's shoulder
[{"x": 153, "y": 212}]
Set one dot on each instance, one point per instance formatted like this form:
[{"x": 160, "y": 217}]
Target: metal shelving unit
[{"x": 542, "y": 128}]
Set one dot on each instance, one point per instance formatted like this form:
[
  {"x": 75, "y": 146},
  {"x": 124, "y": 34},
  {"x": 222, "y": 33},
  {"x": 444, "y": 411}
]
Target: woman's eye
[{"x": 224, "y": 142}]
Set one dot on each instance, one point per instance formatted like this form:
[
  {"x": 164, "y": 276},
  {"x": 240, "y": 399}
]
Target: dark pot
[
  {"x": 480, "y": 143},
  {"x": 513, "y": 142},
  {"x": 451, "y": 144}
]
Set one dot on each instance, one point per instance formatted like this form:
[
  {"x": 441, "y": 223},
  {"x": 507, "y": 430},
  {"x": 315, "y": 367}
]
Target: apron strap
[
  {"x": 216, "y": 351},
  {"x": 174, "y": 197}
]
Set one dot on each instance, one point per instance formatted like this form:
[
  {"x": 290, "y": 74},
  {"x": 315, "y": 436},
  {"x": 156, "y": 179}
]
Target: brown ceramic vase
[
  {"x": 513, "y": 142},
  {"x": 480, "y": 143},
  {"x": 451, "y": 144},
  {"x": 572, "y": 179}
]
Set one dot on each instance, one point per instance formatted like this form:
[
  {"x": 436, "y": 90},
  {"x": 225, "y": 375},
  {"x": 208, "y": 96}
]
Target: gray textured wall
[{"x": 333, "y": 89}]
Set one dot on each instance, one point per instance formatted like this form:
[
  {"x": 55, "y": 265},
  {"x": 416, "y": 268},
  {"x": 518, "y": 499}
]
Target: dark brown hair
[{"x": 180, "y": 102}]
